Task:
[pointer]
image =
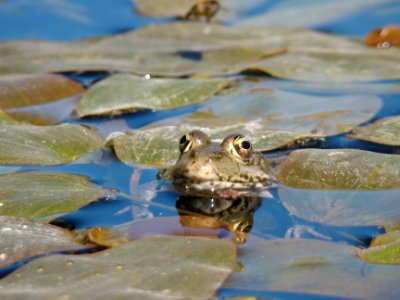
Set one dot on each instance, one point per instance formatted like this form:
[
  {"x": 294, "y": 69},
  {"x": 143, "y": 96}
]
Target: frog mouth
[{"x": 224, "y": 189}]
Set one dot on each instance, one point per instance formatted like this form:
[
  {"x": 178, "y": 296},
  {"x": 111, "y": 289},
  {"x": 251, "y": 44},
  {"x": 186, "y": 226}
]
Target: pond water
[{"x": 74, "y": 19}]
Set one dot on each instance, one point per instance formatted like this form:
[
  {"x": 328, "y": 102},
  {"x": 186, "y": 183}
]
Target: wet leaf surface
[
  {"x": 20, "y": 90},
  {"x": 270, "y": 120},
  {"x": 150, "y": 268},
  {"x": 46, "y": 145},
  {"x": 40, "y": 194},
  {"x": 345, "y": 169},
  {"x": 162, "y": 8},
  {"x": 21, "y": 239},
  {"x": 384, "y": 131},
  {"x": 343, "y": 208},
  {"x": 181, "y": 48},
  {"x": 313, "y": 267},
  {"x": 5, "y": 119},
  {"x": 124, "y": 92},
  {"x": 384, "y": 249}
]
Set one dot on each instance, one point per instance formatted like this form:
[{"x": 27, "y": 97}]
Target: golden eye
[
  {"x": 185, "y": 143},
  {"x": 242, "y": 147},
  {"x": 193, "y": 139}
]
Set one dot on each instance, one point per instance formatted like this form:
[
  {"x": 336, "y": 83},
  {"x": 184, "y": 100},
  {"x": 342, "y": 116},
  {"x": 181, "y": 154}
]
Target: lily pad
[
  {"x": 20, "y": 90},
  {"x": 46, "y": 145},
  {"x": 384, "y": 249},
  {"x": 124, "y": 92},
  {"x": 346, "y": 169},
  {"x": 270, "y": 120},
  {"x": 343, "y": 208},
  {"x": 156, "y": 267},
  {"x": 40, "y": 194},
  {"x": 187, "y": 48},
  {"x": 21, "y": 239},
  {"x": 384, "y": 131},
  {"x": 313, "y": 267},
  {"x": 6, "y": 119},
  {"x": 163, "y": 8}
]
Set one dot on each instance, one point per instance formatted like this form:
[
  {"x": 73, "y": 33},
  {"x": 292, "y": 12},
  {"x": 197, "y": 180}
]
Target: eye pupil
[
  {"x": 245, "y": 145},
  {"x": 183, "y": 140}
]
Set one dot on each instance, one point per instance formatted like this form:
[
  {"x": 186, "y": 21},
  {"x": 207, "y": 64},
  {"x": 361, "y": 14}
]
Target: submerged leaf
[
  {"x": 384, "y": 249},
  {"x": 21, "y": 239},
  {"x": 124, "y": 92},
  {"x": 46, "y": 145},
  {"x": 384, "y": 131},
  {"x": 343, "y": 208},
  {"x": 156, "y": 267},
  {"x": 270, "y": 120},
  {"x": 40, "y": 194},
  {"x": 340, "y": 169},
  {"x": 313, "y": 267},
  {"x": 20, "y": 90}
]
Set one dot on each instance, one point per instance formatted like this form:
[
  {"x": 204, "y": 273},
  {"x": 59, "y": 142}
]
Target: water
[{"x": 62, "y": 20}]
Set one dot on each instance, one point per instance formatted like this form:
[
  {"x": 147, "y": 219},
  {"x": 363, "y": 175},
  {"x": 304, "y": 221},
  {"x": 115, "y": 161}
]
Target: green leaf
[
  {"x": 168, "y": 50},
  {"x": 384, "y": 249},
  {"x": 40, "y": 194},
  {"x": 20, "y": 90},
  {"x": 124, "y": 92},
  {"x": 384, "y": 131},
  {"x": 156, "y": 267},
  {"x": 347, "y": 169},
  {"x": 21, "y": 239},
  {"x": 5, "y": 119},
  {"x": 344, "y": 207},
  {"x": 163, "y": 8},
  {"x": 315, "y": 268},
  {"x": 270, "y": 120},
  {"x": 46, "y": 145}
]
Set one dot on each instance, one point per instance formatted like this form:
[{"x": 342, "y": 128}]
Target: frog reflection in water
[
  {"x": 228, "y": 169},
  {"x": 215, "y": 213},
  {"x": 222, "y": 182}
]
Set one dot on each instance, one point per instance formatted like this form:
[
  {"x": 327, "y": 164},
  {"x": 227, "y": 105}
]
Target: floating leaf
[
  {"x": 150, "y": 268},
  {"x": 20, "y": 90},
  {"x": 187, "y": 48},
  {"x": 39, "y": 194},
  {"x": 46, "y": 145},
  {"x": 384, "y": 131},
  {"x": 340, "y": 169},
  {"x": 124, "y": 92},
  {"x": 343, "y": 208},
  {"x": 384, "y": 249},
  {"x": 313, "y": 267},
  {"x": 5, "y": 119},
  {"x": 163, "y": 8},
  {"x": 21, "y": 239},
  {"x": 270, "y": 120}
]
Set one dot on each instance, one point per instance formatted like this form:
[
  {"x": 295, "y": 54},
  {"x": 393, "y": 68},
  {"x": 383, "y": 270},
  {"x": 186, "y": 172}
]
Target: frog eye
[
  {"x": 242, "y": 147},
  {"x": 185, "y": 143},
  {"x": 195, "y": 138}
]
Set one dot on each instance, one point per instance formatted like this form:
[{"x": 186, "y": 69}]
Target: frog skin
[{"x": 227, "y": 169}]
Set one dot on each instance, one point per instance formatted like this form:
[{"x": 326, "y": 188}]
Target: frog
[{"x": 227, "y": 169}]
